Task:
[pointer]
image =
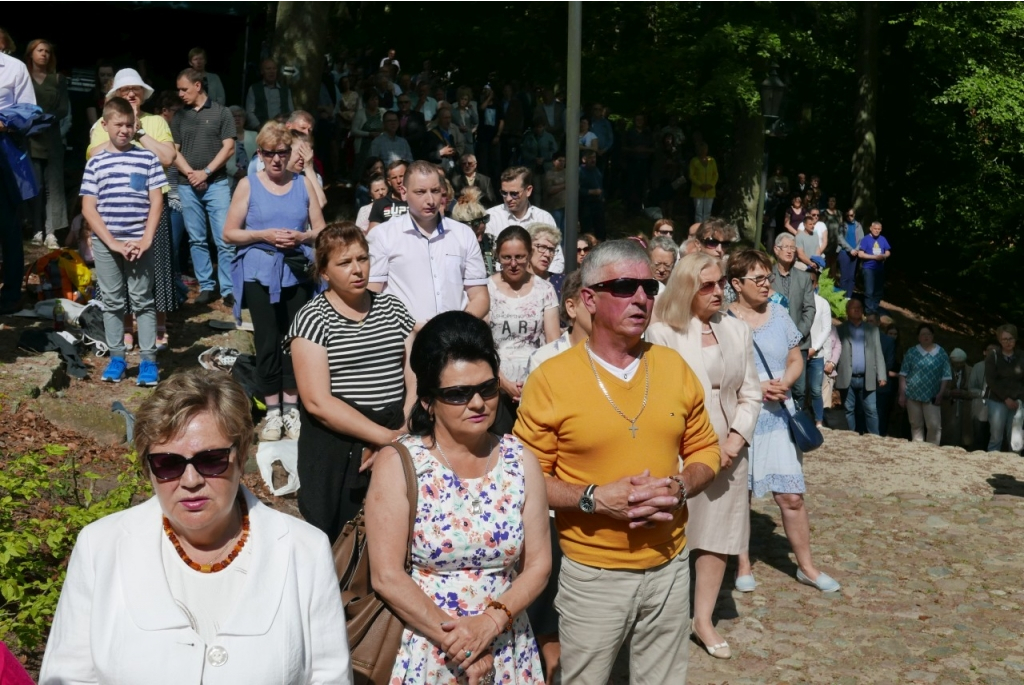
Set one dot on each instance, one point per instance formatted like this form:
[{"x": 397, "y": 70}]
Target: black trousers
[{"x": 270, "y": 323}]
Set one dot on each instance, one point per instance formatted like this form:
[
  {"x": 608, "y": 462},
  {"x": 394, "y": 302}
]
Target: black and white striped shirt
[{"x": 366, "y": 358}]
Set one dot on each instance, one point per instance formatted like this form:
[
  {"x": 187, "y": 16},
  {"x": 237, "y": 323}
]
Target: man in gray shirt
[
  {"x": 808, "y": 245},
  {"x": 796, "y": 287},
  {"x": 861, "y": 369}
]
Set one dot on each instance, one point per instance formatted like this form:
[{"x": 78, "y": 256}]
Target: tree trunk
[
  {"x": 865, "y": 155},
  {"x": 743, "y": 187},
  {"x": 300, "y": 42}
]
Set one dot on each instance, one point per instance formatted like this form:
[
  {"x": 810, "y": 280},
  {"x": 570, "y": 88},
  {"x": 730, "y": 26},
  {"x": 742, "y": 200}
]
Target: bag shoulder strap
[
  {"x": 412, "y": 494},
  {"x": 757, "y": 349}
]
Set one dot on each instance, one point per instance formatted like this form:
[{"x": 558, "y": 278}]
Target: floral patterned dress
[{"x": 464, "y": 559}]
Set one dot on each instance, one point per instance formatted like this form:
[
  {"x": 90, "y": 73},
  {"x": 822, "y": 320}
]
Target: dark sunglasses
[
  {"x": 270, "y": 154},
  {"x": 168, "y": 466},
  {"x": 626, "y": 287},
  {"x": 712, "y": 243},
  {"x": 462, "y": 394},
  {"x": 482, "y": 220},
  {"x": 582, "y": 250},
  {"x": 514, "y": 194}
]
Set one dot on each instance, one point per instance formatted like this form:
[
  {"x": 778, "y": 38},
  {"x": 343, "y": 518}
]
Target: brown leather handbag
[{"x": 374, "y": 631}]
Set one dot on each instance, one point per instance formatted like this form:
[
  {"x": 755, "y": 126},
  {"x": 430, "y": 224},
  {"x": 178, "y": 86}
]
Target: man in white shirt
[
  {"x": 390, "y": 146},
  {"x": 516, "y": 210},
  {"x": 15, "y": 88},
  {"x": 430, "y": 263}
]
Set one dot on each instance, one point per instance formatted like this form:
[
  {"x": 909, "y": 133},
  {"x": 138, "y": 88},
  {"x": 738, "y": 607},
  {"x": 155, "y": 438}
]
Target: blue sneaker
[
  {"x": 114, "y": 373},
  {"x": 149, "y": 374}
]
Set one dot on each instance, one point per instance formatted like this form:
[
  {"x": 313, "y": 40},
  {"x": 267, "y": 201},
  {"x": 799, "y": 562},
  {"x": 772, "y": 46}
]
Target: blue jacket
[{"x": 20, "y": 122}]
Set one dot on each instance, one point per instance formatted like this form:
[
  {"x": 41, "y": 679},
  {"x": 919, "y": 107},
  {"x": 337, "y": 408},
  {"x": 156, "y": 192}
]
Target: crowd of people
[{"x": 574, "y": 436}]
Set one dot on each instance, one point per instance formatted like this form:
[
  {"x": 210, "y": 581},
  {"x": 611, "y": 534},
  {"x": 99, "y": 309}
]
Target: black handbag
[{"x": 801, "y": 426}]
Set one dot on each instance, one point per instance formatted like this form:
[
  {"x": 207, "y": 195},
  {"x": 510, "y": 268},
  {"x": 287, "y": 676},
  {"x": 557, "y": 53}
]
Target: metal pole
[
  {"x": 572, "y": 135},
  {"x": 761, "y": 200}
]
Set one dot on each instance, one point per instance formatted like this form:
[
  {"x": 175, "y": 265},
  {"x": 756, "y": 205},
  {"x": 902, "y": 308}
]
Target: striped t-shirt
[
  {"x": 366, "y": 358},
  {"x": 121, "y": 182}
]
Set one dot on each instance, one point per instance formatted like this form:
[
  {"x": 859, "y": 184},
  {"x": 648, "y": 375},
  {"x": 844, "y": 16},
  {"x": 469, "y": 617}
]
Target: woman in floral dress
[{"x": 464, "y": 603}]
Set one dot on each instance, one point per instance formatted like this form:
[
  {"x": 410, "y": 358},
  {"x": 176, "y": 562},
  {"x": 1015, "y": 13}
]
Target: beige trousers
[
  {"x": 600, "y": 609},
  {"x": 924, "y": 415}
]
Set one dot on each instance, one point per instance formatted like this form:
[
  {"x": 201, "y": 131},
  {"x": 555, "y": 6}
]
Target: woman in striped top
[{"x": 350, "y": 351}]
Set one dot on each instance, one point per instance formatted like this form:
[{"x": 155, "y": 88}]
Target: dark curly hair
[{"x": 448, "y": 337}]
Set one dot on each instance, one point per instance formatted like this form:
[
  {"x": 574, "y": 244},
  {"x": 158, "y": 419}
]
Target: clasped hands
[
  {"x": 282, "y": 238},
  {"x": 642, "y": 500},
  {"x": 472, "y": 634},
  {"x": 132, "y": 249},
  {"x": 197, "y": 178},
  {"x": 774, "y": 390}
]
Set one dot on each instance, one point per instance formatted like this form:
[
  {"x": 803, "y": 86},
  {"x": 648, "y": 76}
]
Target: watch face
[{"x": 587, "y": 504}]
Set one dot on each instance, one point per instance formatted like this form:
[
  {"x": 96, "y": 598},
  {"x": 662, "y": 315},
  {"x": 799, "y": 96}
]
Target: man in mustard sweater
[{"x": 609, "y": 420}]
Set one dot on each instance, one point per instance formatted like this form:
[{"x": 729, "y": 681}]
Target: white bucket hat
[{"x": 129, "y": 77}]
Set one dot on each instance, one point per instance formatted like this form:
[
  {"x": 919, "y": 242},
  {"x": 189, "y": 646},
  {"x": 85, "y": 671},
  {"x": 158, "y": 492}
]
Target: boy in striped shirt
[{"x": 122, "y": 201}]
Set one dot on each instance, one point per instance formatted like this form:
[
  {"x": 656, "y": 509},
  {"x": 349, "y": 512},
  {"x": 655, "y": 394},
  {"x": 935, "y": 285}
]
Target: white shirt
[
  {"x": 15, "y": 83},
  {"x": 429, "y": 275},
  {"x": 822, "y": 324},
  {"x": 625, "y": 374},
  {"x": 502, "y": 218},
  {"x": 546, "y": 352},
  {"x": 821, "y": 230}
]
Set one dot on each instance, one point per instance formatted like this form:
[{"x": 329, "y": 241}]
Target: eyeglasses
[
  {"x": 270, "y": 154},
  {"x": 709, "y": 286},
  {"x": 514, "y": 194},
  {"x": 626, "y": 287},
  {"x": 712, "y": 243},
  {"x": 760, "y": 281},
  {"x": 462, "y": 394},
  {"x": 508, "y": 259},
  {"x": 482, "y": 220},
  {"x": 582, "y": 250},
  {"x": 544, "y": 249},
  {"x": 168, "y": 466}
]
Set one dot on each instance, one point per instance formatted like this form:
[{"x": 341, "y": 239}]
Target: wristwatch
[
  {"x": 138, "y": 134},
  {"x": 208, "y": 171},
  {"x": 587, "y": 503}
]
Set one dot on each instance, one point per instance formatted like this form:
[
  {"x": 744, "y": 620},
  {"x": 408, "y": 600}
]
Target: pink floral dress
[{"x": 463, "y": 560}]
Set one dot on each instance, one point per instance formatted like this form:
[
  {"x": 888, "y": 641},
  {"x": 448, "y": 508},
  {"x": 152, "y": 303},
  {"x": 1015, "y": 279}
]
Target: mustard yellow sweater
[{"x": 565, "y": 419}]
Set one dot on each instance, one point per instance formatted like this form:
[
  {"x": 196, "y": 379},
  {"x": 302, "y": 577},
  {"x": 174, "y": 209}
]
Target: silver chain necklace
[
  {"x": 475, "y": 507},
  {"x": 647, "y": 386}
]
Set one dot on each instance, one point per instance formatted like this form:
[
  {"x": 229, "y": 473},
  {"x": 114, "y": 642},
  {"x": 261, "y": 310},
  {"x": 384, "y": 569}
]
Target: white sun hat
[{"x": 129, "y": 77}]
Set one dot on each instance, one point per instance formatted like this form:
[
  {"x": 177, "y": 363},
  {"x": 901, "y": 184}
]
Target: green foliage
[
  {"x": 836, "y": 298},
  {"x": 36, "y": 537}
]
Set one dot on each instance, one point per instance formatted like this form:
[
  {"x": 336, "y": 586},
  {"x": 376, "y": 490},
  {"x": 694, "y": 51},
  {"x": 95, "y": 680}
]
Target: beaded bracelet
[{"x": 502, "y": 607}]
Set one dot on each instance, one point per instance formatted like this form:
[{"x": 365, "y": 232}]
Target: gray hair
[
  {"x": 611, "y": 253},
  {"x": 235, "y": 109},
  {"x": 782, "y": 237},
  {"x": 662, "y": 242},
  {"x": 466, "y": 157},
  {"x": 536, "y": 230}
]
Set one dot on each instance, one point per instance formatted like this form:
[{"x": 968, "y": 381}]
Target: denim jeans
[
  {"x": 113, "y": 273},
  {"x": 702, "y": 208},
  {"x": 13, "y": 250},
  {"x": 874, "y": 281},
  {"x": 815, "y": 375},
  {"x": 1000, "y": 421},
  {"x": 847, "y": 272},
  {"x": 196, "y": 206},
  {"x": 800, "y": 386},
  {"x": 856, "y": 397},
  {"x": 559, "y": 216}
]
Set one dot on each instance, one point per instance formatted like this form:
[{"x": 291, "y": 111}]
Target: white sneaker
[
  {"x": 272, "y": 428},
  {"x": 291, "y": 424},
  {"x": 51, "y": 242},
  {"x": 37, "y": 239}
]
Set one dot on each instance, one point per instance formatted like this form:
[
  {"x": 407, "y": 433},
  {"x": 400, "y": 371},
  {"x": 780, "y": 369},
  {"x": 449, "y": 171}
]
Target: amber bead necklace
[{"x": 220, "y": 565}]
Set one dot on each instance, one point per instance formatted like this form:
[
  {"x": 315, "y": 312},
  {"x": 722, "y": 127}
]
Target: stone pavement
[{"x": 927, "y": 544}]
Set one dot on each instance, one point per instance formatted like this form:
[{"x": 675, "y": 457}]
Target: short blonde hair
[
  {"x": 674, "y": 307},
  {"x": 537, "y": 230},
  {"x": 273, "y": 134},
  {"x": 166, "y": 413}
]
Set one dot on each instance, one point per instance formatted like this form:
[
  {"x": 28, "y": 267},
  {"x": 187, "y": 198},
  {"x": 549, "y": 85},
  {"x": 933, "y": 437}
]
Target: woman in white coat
[
  {"x": 202, "y": 583},
  {"x": 720, "y": 351}
]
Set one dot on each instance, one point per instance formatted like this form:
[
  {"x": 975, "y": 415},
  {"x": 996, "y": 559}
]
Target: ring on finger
[{"x": 468, "y": 653}]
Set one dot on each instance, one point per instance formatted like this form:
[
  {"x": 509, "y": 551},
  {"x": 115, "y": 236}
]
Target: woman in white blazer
[
  {"x": 201, "y": 583},
  {"x": 720, "y": 351}
]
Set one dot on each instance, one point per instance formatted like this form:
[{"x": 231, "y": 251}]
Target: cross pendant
[{"x": 633, "y": 429}]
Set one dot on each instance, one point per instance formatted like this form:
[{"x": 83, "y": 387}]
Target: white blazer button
[{"x": 217, "y": 656}]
